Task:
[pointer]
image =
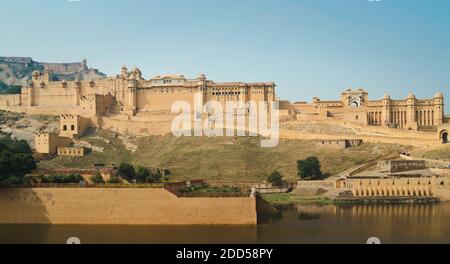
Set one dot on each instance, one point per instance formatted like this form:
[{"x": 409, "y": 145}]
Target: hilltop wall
[
  {"x": 121, "y": 207},
  {"x": 64, "y": 67}
]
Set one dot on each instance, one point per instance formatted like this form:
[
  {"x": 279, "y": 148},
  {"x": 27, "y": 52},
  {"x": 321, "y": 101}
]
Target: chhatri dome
[
  {"x": 439, "y": 95},
  {"x": 411, "y": 96},
  {"x": 386, "y": 97}
]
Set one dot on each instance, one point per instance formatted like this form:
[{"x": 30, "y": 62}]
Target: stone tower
[
  {"x": 132, "y": 94},
  {"x": 386, "y": 112},
  {"x": 438, "y": 109},
  {"x": 411, "y": 119}
]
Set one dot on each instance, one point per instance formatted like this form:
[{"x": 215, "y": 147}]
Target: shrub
[
  {"x": 167, "y": 172},
  {"x": 114, "y": 180},
  {"x": 97, "y": 178},
  {"x": 127, "y": 171},
  {"x": 64, "y": 179},
  {"x": 309, "y": 168},
  {"x": 143, "y": 174},
  {"x": 156, "y": 176},
  {"x": 276, "y": 178}
]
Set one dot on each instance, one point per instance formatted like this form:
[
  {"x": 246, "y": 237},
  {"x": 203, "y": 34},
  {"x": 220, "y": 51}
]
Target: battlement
[
  {"x": 69, "y": 117},
  {"x": 71, "y": 151},
  {"x": 66, "y": 67},
  {"x": 339, "y": 143},
  {"x": 21, "y": 60}
]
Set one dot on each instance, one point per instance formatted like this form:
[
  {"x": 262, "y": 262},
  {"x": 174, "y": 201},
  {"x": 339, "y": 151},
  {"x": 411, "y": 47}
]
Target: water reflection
[
  {"x": 407, "y": 223},
  {"x": 403, "y": 223}
]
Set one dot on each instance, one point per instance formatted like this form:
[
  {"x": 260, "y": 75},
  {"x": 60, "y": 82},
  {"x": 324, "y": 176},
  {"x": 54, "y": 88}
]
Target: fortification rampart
[{"x": 146, "y": 206}]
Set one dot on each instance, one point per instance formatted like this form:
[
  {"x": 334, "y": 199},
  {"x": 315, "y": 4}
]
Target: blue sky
[{"x": 308, "y": 47}]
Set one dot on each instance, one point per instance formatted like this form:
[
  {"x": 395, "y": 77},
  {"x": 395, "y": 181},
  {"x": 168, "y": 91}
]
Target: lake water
[{"x": 295, "y": 224}]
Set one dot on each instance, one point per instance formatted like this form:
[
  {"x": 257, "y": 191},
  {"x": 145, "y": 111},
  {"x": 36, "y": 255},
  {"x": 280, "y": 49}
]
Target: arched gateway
[{"x": 443, "y": 135}]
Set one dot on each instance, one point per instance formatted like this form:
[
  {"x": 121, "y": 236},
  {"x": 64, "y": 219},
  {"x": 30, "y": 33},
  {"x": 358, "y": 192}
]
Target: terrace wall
[{"x": 121, "y": 206}]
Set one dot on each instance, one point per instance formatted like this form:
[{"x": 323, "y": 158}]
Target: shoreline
[{"x": 287, "y": 199}]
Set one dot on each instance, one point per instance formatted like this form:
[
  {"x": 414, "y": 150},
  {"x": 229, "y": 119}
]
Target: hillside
[
  {"x": 221, "y": 158},
  {"x": 217, "y": 159},
  {"x": 442, "y": 153},
  {"x": 18, "y": 70}
]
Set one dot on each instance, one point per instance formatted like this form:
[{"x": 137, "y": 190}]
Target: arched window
[
  {"x": 72, "y": 127},
  {"x": 65, "y": 128}
]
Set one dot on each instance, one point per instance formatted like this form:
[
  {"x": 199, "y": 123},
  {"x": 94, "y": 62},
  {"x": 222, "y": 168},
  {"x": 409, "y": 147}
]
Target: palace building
[
  {"x": 355, "y": 107},
  {"x": 129, "y": 93}
]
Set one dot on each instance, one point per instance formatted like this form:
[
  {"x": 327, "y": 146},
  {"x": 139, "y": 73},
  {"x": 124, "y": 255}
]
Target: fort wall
[
  {"x": 394, "y": 166},
  {"x": 415, "y": 139},
  {"x": 65, "y": 67},
  {"x": 9, "y": 100},
  {"x": 146, "y": 206},
  {"x": 412, "y": 187}
]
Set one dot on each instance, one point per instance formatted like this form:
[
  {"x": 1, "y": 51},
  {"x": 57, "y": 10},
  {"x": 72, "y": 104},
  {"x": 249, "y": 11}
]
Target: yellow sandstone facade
[
  {"x": 355, "y": 107},
  {"x": 72, "y": 126},
  {"x": 47, "y": 143},
  {"x": 129, "y": 93}
]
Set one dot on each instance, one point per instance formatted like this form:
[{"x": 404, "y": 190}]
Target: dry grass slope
[
  {"x": 224, "y": 158},
  {"x": 439, "y": 154}
]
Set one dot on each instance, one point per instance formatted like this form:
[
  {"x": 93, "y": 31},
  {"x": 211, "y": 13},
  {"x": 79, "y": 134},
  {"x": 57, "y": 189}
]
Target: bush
[
  {"x": 167, "y": 173},
  {"x": 63, "y": 179},
  {"x": 127, "y": 171},
  {"x": 143, "y": 174},
  {"x": 16, "y": 160},
  {"x": 97, "y": 178},
  {"x": 276, "y": 178},
  {"x": 156, "y": 176},
  {"x": 209, "y": 189},
  {"x": 309, "y": 168},
  {"x": 114, "y": 180}
]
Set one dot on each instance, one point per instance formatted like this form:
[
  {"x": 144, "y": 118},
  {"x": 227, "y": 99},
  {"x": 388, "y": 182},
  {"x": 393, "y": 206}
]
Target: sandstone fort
[{"x": 128, "y": 97}]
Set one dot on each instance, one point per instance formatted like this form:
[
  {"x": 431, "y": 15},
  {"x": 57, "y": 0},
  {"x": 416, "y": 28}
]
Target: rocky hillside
[
  {"x": 22, "y": 127},
  {"x": 18, "y": 70}
]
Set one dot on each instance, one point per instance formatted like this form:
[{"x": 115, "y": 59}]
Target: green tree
[
  {"x": 155, "y": 176},
  {"x": 143, "y": 174},
  {"x": 16, "y": 160},
  {"x": 167, "y": 172},
  {"x": 114, "y": 179},
  {"x": 127, "y": 171},
  {"x": 309, "y": 168},
  {"x": 276, "y": 178},
  {"x": 97, "y": 178}
]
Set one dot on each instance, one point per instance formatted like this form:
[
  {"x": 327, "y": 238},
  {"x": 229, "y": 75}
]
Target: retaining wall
[{"x": 146, "y": 206}]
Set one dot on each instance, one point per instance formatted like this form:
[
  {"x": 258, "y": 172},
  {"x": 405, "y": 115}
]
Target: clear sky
[{"x": 308, "y": 47}]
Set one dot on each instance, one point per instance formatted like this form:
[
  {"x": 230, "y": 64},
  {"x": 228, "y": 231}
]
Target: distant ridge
[{"x": 18, "y": 70}]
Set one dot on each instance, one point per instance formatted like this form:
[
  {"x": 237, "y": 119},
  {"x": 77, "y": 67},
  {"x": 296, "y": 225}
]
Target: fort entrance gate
[{"x": 444, "y": 136}]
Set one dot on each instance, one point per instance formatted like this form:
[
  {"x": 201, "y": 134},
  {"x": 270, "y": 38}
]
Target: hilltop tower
[
  {"x": 411, "y": 119},
  {"x": 439, "y": 109}
]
